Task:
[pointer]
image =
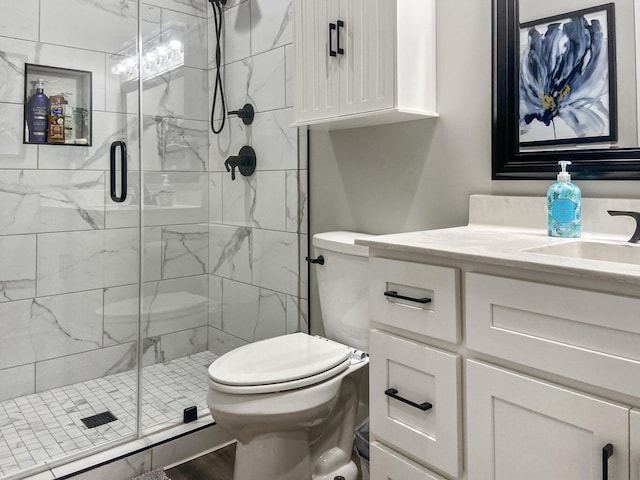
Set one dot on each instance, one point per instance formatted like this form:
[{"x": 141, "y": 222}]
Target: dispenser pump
[
  {"x": 564, "y": 176},
  {"x": 40, "y": 85}
]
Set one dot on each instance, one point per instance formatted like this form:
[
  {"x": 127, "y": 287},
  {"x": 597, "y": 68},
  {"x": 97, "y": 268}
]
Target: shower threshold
[{"x": 45, "y": 428}]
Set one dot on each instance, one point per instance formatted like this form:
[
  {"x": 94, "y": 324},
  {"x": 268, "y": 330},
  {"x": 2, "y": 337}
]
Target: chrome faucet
[{"x": 635, "y": 238}]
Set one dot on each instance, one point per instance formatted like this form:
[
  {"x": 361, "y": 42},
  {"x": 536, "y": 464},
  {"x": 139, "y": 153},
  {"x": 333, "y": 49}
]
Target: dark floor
[{"x": 216, "y": 465}]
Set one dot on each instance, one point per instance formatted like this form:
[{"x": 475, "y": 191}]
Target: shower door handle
[{"x": 123, "y": 171}]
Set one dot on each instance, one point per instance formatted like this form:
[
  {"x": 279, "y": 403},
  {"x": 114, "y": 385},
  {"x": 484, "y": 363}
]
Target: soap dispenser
[
  {"x": 164, "y": 198},
  {"x": 564, "y": 216}
]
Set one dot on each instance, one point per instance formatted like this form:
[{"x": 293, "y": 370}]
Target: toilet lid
[{"x": 277, "y": 360}]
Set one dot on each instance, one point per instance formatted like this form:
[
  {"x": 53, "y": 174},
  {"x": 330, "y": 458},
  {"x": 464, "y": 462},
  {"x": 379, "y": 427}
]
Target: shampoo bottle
[
  {"x": 564, "y": 216},
  {"x": 38, "y": 115}
]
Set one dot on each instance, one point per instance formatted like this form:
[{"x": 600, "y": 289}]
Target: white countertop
[{"x": 507, "y": 247}]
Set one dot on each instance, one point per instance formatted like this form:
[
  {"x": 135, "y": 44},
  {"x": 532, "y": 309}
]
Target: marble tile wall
[
  {"x": 257, "y": 224},
  {"x": 68, "y": 254},
  {"x": 225, "y": 254}
]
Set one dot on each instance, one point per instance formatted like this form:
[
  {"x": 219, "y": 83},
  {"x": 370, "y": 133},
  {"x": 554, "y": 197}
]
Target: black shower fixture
[
  {"x": 246, "y": 113},
  {"x": 222, "y": 2},
  {"x": 245, "y": 161}
]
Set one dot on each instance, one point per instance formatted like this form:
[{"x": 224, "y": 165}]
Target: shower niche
[{"x": 67, "y": 109}]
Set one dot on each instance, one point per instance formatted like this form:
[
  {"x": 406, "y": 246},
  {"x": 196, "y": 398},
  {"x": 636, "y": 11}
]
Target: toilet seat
[{"x": 279, "y": 364}]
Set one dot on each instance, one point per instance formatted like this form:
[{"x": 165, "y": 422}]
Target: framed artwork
[{"x": 567, "y": 79}]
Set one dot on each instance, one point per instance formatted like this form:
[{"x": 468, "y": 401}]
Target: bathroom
[{"x": 223, "y": 261}]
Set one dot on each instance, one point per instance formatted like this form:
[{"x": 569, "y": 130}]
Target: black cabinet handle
[
  {"x": 393, "y": 294},
  {"x": 393, "y": 393},
  {"x": 340, "y": 25},
  {"x": 607, "y": 451},
  {"x": 319, "y": 260},
  {"x": 123, "y": 171},
  {"x": 332, "y": 52}
]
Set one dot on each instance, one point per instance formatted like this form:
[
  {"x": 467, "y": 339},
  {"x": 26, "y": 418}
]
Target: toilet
[{"x": 291, "y": 400}]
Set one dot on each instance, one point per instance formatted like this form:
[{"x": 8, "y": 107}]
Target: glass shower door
[
  {"x": 175, "y": 213},
  {"x": 69, "y": 232}
]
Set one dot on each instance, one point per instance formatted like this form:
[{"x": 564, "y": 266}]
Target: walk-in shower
[{"x": 111, "y": 305}]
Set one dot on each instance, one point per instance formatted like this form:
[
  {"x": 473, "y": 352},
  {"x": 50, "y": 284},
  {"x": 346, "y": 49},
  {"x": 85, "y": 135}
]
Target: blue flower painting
[{"x": 566, "y": 79}]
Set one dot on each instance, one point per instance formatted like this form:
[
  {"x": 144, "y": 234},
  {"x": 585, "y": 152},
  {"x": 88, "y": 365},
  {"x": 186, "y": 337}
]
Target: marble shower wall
[
  {"x": 68, "y": 254},
  {"x": 257, "y": 235}
]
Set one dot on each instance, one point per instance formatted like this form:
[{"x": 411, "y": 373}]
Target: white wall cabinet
[{"x": 363, "y": 62}]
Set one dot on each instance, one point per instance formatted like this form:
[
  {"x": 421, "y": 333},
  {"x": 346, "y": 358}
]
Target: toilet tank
[{"x": 343, "y": 287}]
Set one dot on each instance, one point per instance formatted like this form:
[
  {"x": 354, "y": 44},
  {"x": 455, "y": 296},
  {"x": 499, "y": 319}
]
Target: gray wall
[{"x": 419, "y": 175}]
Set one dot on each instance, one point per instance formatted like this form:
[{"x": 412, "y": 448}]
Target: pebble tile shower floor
[{"x": 44, "y": 426}]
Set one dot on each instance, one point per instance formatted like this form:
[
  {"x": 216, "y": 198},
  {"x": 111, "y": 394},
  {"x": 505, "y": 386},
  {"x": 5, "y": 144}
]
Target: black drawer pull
[
  {"x": 393, "y": 294},
  {"x": 393, "y": 393},
  {"x": 607, "y": 451}
]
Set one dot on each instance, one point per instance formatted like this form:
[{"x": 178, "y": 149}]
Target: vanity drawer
[
  {"x": 389, "y": 465},
  {"x": 437, "y": 287},
  {"x": 589, "y": 336},
  {"x": 402, "y": 369}
]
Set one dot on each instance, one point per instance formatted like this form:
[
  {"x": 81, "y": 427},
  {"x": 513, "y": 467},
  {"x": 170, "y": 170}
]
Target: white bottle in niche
[{"x": 164, "y": 198}]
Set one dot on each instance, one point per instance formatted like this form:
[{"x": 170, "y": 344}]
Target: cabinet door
[
  {"x": 522, "y": 428},
  {"x": 317, "y": 74},
  {"x": 368, "y": 62},
  {"x": 635, "y": 445}
]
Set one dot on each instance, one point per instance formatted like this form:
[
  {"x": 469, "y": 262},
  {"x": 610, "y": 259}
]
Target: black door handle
[
  {"x": 332, "y": 52},
  {"x": 123, "y": 171},
  {"x": 607, "y": 451},
  {"x": 393, "y": 294},
  {"x": 340, "y": 25},
  {"x": 393, "y": 393}
]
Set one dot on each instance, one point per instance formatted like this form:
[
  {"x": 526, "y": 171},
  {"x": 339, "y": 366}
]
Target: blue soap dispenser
[{"x": 564, "y": 216}]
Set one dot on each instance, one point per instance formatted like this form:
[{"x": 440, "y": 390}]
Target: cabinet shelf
[{"x": 76, "y": 87}]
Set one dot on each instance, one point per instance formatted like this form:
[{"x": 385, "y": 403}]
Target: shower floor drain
[{"x": 99, "y": 419}]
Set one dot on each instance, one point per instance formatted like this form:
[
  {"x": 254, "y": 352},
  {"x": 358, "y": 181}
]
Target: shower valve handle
[{"x": 245, "y": 161}]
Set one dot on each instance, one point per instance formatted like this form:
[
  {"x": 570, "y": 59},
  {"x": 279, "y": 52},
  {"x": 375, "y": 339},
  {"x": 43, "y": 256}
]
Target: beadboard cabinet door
[
  {"x": 526, "y": 429},
  {"x": 317, "y": 73},
  {"x": 367, "y": 63}
]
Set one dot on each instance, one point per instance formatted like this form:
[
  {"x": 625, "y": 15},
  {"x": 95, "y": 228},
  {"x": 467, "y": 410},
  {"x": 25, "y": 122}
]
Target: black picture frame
[
  {"x": 509, "y": 162},
  {"x": 610, "y": 120}
]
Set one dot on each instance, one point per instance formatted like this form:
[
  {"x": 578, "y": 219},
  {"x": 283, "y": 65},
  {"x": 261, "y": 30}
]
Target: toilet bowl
[{"x": 291, "y": 400}]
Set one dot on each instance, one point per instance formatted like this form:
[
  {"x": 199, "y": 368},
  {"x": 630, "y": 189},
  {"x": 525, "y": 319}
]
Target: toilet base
[{"x": 262, "y": 457}]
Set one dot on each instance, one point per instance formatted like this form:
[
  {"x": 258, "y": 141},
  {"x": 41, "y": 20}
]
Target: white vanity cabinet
[
  {"x": 363, "y": 62},
  {"x": 521, "y": 427},
  {"x": 547, "y": 367},
  {"x": 634, "y": 434}
]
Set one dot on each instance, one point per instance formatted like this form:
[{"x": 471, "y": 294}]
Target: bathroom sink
[{"x": 608, "y": 252}]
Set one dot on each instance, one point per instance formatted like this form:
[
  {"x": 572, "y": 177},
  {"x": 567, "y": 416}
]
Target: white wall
[{"x": 419, "y": 175}]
